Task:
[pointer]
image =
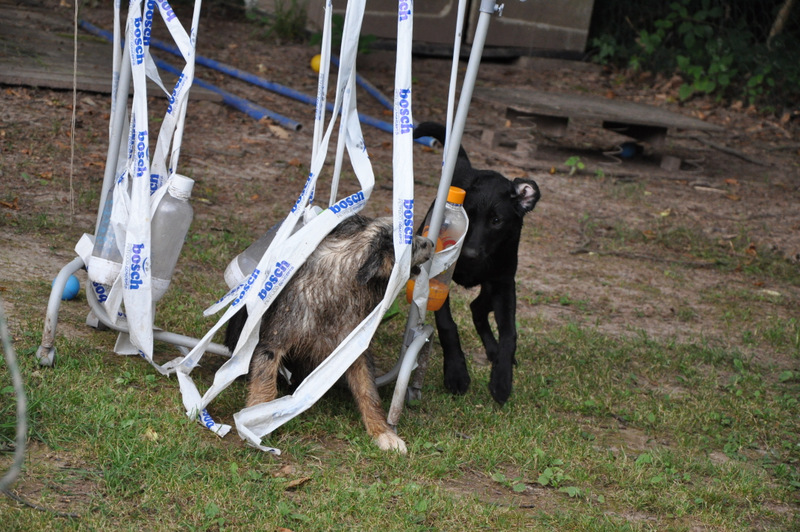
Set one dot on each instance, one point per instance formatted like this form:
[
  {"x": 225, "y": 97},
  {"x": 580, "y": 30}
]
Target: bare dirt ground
[{"x": 739, "y": 188}]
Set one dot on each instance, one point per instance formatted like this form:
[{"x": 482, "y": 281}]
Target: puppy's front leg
[
  {"x": 456, "y": 375},
  {"x": 481, "y": 306},
  {"x": 504, "y": 303}
]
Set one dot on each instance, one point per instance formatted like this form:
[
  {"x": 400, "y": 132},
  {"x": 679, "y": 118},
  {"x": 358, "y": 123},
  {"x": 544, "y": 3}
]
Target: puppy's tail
[{"x": 437, "y": 131}]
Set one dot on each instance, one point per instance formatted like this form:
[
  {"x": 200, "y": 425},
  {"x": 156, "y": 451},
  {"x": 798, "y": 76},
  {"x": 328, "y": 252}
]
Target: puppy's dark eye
[{"x": 496, "y": 221}]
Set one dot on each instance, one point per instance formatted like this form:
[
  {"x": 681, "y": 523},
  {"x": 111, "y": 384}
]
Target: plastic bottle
[
  {"x": 454, "y": 225},
  {"x": 168, "y": 231},
  {"x": 245, "y": 262},
  {"x": 106, "y": 261}
]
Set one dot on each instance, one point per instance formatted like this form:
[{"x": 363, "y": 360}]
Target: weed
[
  {"x": 286, "y": 22},
  {"x": 574, "y": 164}
]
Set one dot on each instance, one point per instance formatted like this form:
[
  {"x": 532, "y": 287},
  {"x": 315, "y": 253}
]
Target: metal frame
[{"x": 416, "y": 343}]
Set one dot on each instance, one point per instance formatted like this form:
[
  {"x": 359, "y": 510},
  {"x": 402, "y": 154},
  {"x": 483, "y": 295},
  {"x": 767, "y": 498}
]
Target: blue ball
[{"x": 71, "y": 289}]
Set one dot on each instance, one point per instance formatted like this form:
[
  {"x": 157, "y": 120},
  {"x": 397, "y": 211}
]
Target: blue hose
[
  {"x": 259, "y": 82},
  {"x": 250, "y": 109},
  {"x": 369, "y": 87}
]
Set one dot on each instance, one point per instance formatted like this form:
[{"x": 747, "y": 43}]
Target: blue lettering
[
  {"x": 305, "y": 188},
  {"x": 100, "y": 291},
  {"x": 135, "y": 279},
  {"x": 166, "y": 10},
  {"x": 280, "y": 269},
  {"x": 155, "y": 179},
  {"x": 206, "y": 419},
  {"x": 353, "y": 199},
  {"x": 148, "y": 22},
  {"x": 403, "y": 120},
  {"x": 141, "y": 153},
  {"x": 408, "y": 221},
  {"x": 174, "y": 95},
  {"x": 248, "y": 284},
  {"x": 403, "y": 10},
  {"x": 137, "y": 50}
]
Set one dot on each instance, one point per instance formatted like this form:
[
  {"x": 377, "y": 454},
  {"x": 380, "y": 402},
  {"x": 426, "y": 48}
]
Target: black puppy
[{"x": 495, "y": 207}]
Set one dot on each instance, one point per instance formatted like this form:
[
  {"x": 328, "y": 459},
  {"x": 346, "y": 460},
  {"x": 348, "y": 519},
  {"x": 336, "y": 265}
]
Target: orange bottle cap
[{"x": 456, "y": 195}]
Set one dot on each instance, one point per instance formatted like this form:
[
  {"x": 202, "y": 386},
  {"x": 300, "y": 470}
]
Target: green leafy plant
[
  {"x": 516, "y": 484},
  {"x": 716, "y": 48},
  {"x": 286, "y": 22},
  {"x": 574, "y": 164}
]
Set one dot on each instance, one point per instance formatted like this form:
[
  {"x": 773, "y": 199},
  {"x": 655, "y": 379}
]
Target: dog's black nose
[{"x": 469, "y": 253}]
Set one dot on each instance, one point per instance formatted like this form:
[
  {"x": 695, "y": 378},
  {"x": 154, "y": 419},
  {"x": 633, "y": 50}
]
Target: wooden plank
[
  {"x": 529, "y": 101},
  {"x": 36, "y": 50}
]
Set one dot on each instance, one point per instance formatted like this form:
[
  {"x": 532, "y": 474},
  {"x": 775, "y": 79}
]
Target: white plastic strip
[
  {"x": 140, "y": 182},
  {"x": 286, "y": 253}
]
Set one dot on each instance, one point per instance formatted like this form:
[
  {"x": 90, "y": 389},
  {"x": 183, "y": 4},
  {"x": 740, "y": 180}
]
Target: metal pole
[{"x": 487, "y": 8}]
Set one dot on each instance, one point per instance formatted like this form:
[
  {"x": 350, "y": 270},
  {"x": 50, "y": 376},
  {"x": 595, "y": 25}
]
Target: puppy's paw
[
  {"x": 457, "y": 381},
  {"x": 413, "y": 394},
  {"x": 389, "y": 441},
  {"x": 500, "y": 382}
]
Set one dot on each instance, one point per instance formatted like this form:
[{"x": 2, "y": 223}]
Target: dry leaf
[
  {"x": 150, "y": 434},
  {"x": 14, "y": 205},
  {"x": 296, "y": 483},
  {"x": 731, "y": 181},
  {"x": 278, "y": 131},
  {"x": 285, "y": 471},
  {"x": 294, "y": 162}
]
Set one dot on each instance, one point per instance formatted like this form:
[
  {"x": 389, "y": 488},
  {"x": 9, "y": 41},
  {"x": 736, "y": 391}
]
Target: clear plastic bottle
[
  {"x": 454, "y": 225},
  {"x": 245, "y": 262},
  {"x": 168, "y": 230},
  {"x": 106, "y": 261}
]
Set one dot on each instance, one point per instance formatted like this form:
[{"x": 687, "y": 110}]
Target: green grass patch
[{"x": 601, "y": 433}]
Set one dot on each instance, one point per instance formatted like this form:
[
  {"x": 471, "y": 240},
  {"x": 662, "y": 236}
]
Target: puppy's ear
[
  {"x": 370, "y": 268},
  {"x": 380, "y": 258},
  {"x": 526, "y": 194}
]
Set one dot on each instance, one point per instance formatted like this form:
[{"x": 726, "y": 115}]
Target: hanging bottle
[
  {"x": 454, "y": 225},
  {"x": 168, "y": 230},
  {"x": 245, "y": 262},
  {"x": 106, "y": 261}
]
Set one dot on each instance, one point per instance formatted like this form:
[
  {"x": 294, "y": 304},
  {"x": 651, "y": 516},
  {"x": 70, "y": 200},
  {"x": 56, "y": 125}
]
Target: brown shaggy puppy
[{"x": 341, "y": 282}]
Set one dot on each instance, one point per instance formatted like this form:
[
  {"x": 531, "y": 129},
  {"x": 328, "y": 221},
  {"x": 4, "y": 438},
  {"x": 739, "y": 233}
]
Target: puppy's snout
[
  {"x": 469, "y": 252},
  {"x": 423, "y": 249}
]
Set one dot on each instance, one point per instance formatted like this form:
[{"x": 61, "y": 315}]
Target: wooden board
[
  {"x": 557, "y": 105},
  {"x": 37, "y": 50}
]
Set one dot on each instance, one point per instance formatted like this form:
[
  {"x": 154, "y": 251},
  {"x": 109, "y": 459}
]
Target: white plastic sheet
[{"x": 287, "y": 252}]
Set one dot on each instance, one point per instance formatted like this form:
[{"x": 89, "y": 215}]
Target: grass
[
  {"x": 624, "y": 431},
  {"x": 601, "y": 433}
]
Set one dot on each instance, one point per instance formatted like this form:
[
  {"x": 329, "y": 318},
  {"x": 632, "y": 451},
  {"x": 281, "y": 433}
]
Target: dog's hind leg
[
  {"x": 263, "y": 375},
  {"x": 456, "y": 375},
  {"x": 361, "y": 380}
]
